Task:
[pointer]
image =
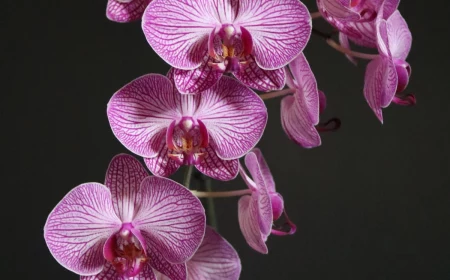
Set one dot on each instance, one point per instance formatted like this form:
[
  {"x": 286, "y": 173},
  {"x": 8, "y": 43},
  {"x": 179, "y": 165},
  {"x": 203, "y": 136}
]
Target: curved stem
[
  {"x": 221, "y": 194},
  {"x": 188, "y": 176},
  {"x": 274, "y": 94},
  {"x": 316, "y": 15},
  {"x": 211, "y": 207},
  {"x": 349, "y": 52}
]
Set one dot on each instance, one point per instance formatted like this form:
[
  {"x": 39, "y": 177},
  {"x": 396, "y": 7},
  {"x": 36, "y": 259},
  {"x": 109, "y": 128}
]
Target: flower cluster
[{"x": 205, "y": 113}]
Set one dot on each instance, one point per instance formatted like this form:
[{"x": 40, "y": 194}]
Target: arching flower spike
[
  {"x": 122, "y": 230},
  {"x": 389, "y": 74},
  {"x": 126, "y": 10},
  {"x": 216, "y": 259},
  {"x": 355, "y": 19},
  {"x": 253, "y": 39},
  {"x": 258, "y": 211},
  {"x": 211, "y": 130}
]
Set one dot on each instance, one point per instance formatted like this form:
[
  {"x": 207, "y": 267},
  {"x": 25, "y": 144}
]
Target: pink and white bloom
[
  {"x": 202, "y": 39},
  {"x": 388, "y": 74},
  {"x": 300, "y": 111},
  {"x": 258, "y": 211},
  {"x": 127, "y": 227},
  {"x": 216, "y": 259},
  {"x": 355, "y": 19},
  {"x": 125, "y": 10},
  {"x": 211, "y": 131}
]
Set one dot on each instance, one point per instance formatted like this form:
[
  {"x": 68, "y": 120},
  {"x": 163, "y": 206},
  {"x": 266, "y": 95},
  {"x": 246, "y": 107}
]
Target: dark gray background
[{"x": 372, "y": 203}]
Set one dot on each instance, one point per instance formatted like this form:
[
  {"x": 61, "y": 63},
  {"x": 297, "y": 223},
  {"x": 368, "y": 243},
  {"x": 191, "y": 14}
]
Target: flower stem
[
  {"x": 274, "y": 94},
  {"x": 211, "y": 207},
  {"x": 315, "y": 15},
  {"x": 188, "y": 176},
  {"x": 349, "y": 52},
  {"x": 340, "y": 48},
  {"x": 221, "y": 194}
]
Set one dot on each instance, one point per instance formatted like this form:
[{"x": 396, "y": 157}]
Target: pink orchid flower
[
  {"x": 388, "y": 74},
  {"x": 126, "y": 10},
  {"x": 216, "y": 259},
  {"x": 300, "y": 111},
  {"x": 202, "y": 39},
  {"x": 258, "y": 211},
  {"x": 127, "y": 227},
  {"x": 211, "y": 131},
  {"x": 355, "y": 19}
]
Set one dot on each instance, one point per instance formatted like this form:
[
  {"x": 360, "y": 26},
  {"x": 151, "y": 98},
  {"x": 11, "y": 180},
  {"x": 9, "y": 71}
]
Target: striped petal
[
  {"x": 216, "y": 259},
  {"x": 264, "y": 169},
  {"x": 280, "y": 29},
  {"x": 162, "y": 268},
  {"x": 264, "y": 80},
  {"x": 178, "y": 31},
  {"x": 78, "y": 227},
  {"x": 380, "y": 84},
  {"x": 234, "y": 116},
  {"x": 400, "y": 38},
  {"x": 261, "y": 194},
  {"x": 217, "y": 168},
  {"x": 123, "y": 178},
  {"x": 162, "y": 165},
  {"x": 307, "y": 89},
  {"x": 196, "y": 80},
  {"x": 109, "y": 273},
  {"x": 125, "y": 11},
  {"x": 248, "y": 222},
  {"x": 140, "y": 112},
  {"x": 296, "y": 123},
  {"x": 338, "y": 9},
  {"x": 172, "y": 217}
]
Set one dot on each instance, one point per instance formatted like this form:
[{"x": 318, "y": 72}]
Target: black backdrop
[{"x": 372, "y": 203}]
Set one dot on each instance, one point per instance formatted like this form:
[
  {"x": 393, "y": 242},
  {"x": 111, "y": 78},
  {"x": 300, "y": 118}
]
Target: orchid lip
[
  {"x": 287, "y": 228},
  {"x": 187, "y": 140},
  {"x": 125, "y": 252}
]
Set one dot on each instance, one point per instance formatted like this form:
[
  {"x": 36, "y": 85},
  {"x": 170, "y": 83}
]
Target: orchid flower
[
  {"x": 355, "y": 19},
  {"x": 216, "y": 259},
  {"x": 258, "y": 211},
  {"x": 127, "y": 227},
  {"x": 211, "y": 130},
  {"x": 125, "y": 10},
  {"x": 388, "y": 74},
  {"x": 203, "y": 39},
  {"x": 300, "y": 111}
]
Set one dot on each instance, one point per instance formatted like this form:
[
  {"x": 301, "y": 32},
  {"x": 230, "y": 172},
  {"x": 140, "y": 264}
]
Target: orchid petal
[
  {"x": 197, "y": 80},
  {"x": 296, "y": 124},
  {"x": 162, "y": 165},
  {"x": 265, "y": 170},
  {"x": 178, "y": 31},
  {"x": 161, "y": 265},
  {"x": 249, "y": 224},
  {"x": 280, "y": 29},
  {"x": 172, "y": 217},
  {"x": 261, "y": 195},
  {"x": 217, "y": 168},
  {"x": 322, "y": 101},
  {"x": 380, "y": 84},
  {"x": 235, "y": 118},
  {"x": 307, "y": 89},
  {"x": 277, "y": 205},
  {"x": 216, "y": 259},
  {"x": 108, "y": 272},
  {"x": 121, "y": 11},
  {"x": 123, "y": 178},
  {"x": 141, "y": 111},
  {"x": 264, "y": 80},
  {"x": 78, "y": 227},
  {"x": 339, "y": 10},
  {"x": 400, "y": 38}
]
